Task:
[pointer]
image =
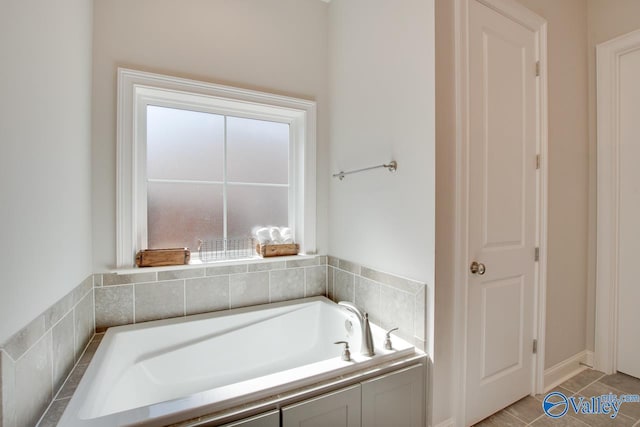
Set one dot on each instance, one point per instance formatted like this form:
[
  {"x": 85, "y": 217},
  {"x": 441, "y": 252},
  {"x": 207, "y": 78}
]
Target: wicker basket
[{"x": 277, "y": 250}]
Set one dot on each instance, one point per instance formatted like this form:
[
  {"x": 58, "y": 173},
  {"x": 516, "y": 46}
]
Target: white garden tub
[{"x": 155, "y": 372}]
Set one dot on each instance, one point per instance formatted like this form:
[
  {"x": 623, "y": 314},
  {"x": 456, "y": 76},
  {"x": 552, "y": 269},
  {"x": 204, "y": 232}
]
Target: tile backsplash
[{"x": 35, "y": 362}]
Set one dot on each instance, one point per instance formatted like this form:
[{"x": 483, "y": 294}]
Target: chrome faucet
[{"x": 363, "y": 317}]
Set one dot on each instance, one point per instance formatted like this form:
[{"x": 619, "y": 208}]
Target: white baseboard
[
  {"x": 446, "y": 423},
  {"x": 559, "y": 373},
  {"x": 590, "y": 358}
]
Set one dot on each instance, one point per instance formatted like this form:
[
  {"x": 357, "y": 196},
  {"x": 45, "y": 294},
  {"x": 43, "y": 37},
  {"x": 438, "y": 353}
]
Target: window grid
[{"x": 225, "y": 182}]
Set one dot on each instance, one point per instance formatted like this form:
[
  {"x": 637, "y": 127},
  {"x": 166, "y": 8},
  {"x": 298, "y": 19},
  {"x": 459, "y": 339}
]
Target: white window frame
[{"x": 137, "y": 90}]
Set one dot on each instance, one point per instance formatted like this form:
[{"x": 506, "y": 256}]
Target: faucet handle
[
  {"x": 346, "y": 354},
  {"x": 387, "y": 340}
]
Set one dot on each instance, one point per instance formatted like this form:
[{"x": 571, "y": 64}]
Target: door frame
[
  {"x": 608, "y": 232},
  {"x": 522, "y": 15}
]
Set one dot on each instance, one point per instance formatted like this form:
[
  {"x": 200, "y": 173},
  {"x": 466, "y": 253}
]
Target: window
[
  {"x": 213, "y": 177},
  {"x": 198, "y": 161}
]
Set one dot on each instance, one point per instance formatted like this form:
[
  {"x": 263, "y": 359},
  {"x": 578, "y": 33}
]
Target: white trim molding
[
  {"x": 561, "y": 372},
  {"x": 608, "y": 56},
  {"x": 136, "y": 89},
  {"x": 538, "y": 25}
]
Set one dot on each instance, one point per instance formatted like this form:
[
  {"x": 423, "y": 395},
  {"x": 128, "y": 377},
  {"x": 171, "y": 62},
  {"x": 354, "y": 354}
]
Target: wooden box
[
  {"x": 160, "y": 257},
  {"x": 277, "y": 250}
]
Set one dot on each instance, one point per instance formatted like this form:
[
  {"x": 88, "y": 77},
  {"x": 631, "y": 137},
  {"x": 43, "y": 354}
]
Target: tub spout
[{"x": 363, "y": 317}]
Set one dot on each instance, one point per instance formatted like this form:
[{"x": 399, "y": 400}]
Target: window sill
[{"x": 199, "y": 264}]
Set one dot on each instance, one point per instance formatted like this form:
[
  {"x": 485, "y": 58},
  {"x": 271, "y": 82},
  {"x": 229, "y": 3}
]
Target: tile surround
[
  {"x": 136, "y": 297},
  {"x": 159, "y": 300},
  {"x": 207, "y": 294},
  {"x": 55, "y": 341},
  {"x": 1, "y": 390},
  {"x": 343, "y": 285},
  {"x": 285, "y": 284},
  {"x": 315, "y": 281},
  {"x": 114, "y": 306},
  {"x": 35, "y": 361},
  {"x": 64, "y": 357},
  {"x": 62, "y": 398},
  {"x": 390, "y": 300},
  {"x": 248, "y": 289},
  {"x": 54, "y": 413},
  {"x": 34, "y": 388}
]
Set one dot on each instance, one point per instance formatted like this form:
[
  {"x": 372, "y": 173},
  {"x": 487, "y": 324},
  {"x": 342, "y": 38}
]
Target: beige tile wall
[{"x": 35, "y": 362}]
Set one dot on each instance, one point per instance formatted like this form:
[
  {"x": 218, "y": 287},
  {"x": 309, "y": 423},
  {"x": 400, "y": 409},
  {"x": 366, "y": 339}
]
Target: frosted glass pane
[
  {"x": 257, "y": 151},
  {"x": 180, "y": 214},
  {"x": 249, "y": 206},
  {"x": 184, "y": 144}
]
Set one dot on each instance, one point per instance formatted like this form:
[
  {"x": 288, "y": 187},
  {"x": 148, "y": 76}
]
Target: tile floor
[{"x": 528, "y": 411}]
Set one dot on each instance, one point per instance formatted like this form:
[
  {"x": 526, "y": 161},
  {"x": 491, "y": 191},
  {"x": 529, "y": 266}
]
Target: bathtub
[{"x": 160, "y": 372}]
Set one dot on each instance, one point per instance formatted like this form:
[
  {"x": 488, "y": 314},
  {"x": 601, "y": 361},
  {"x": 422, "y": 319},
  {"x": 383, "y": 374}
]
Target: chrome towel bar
[{"x": 392, "y": 166}]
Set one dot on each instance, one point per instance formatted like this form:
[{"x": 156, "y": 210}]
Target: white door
[
  {"x": 502, "y": 211},
  {"x": 629, "y": 213}
]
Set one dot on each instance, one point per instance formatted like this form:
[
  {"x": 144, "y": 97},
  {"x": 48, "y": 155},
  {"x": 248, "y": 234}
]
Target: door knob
[{"x": 477, "y": 268}]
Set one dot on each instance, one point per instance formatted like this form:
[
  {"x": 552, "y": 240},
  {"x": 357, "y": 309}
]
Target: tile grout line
[
  {"x": 377, "y": 271},
  {"x": 590, "y": 384},
  {"x": 536, "y": 419},
  {"x": 30, "y": 348},
  {"x": 57, "y": 393},
  {"x": 75, "y": 337},
  {"x": 51, "y": 391},
  {"x": 615, "y": 388},
  {"x": 304, "y": 282},
  {"x": 354, "y": 287},
  {"x": 133, "y": 303},
  {"x": 94, "y": 306},
  {"x": 71, "y": 310},
  {"x": 184, "y": 297},
  {"x": 512, "y": 416},
  {"x": 515, "y": 416}
]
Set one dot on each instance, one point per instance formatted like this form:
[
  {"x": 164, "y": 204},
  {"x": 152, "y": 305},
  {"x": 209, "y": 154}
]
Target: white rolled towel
[
  {"x": 287, "y": 236},
  {"x": 276, "y": 236},
  {"x": 263, "y": 235},
  {"x": 285, "y": 232}
]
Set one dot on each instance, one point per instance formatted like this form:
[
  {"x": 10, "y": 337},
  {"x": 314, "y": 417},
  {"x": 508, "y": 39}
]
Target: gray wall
[
  {"x": 381, "y": 85},
  {"x": 45, "y": 167},
  {"x": 568, "y": 232}
]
